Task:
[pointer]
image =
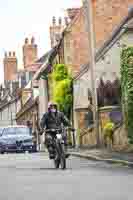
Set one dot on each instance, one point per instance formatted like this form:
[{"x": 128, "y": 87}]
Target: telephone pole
[{"x": 87, "y": 5}]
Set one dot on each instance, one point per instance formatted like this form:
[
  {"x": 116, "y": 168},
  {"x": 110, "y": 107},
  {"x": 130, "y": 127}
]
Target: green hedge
[{"x": 127, "y": 88}]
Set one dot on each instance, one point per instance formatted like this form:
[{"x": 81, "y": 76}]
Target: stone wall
[
  {"x": 120, "y": 140},
  {"x": 87, "y": 136}
]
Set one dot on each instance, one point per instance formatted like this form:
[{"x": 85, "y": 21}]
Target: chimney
[
  {"x": 55, "y": 31},
  {"x": 26, "y": 41},
  {"x": 30, "y": 52},
  {"x": 10, "y": 66}
]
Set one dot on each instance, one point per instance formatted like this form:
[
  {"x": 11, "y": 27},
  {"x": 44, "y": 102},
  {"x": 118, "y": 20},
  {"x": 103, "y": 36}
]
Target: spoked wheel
[
  {"x": 62, "y": 157},
  {"x": 57, "y": 161}
]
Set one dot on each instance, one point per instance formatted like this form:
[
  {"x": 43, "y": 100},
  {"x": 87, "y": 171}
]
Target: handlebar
[{"x": 54, "y": 130}]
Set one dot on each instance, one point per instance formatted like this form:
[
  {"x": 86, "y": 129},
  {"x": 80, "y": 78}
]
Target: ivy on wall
[
  {"x": 62, "y": 88},
  {"x": 127, "y": 88}
]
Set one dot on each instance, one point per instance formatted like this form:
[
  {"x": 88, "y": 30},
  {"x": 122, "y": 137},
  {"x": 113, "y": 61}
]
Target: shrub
[
  {"x": 109, "y": 130},
  {"x": 62, "y": 90}
]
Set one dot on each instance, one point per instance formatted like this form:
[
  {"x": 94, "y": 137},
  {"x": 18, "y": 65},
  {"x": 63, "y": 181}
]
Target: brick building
[
  {"x": 30, "y": 52},
  {"x": 107, "y": 16},
  {"x": 10, "y": 66}
]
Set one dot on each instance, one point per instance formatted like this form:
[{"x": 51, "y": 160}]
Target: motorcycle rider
[{"x": 53, "y": 119}]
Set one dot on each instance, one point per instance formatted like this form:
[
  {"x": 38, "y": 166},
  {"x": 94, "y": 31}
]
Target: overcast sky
[{"x": 24, "y": 18}]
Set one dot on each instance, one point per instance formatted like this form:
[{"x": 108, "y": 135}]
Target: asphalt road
[{"x": 33, "y": 177}]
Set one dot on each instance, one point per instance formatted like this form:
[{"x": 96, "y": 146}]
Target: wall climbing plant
[{"x": 127, "y": 88}]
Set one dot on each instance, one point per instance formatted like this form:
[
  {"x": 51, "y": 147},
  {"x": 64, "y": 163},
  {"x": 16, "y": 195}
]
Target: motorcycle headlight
[{"x": 59, "y": 136}]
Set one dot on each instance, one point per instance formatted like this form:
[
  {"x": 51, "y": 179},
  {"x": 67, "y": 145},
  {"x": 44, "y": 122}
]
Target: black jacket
[{"x": 54, "y": 120}]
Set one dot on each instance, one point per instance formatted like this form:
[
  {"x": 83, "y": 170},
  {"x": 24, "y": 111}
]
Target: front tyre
[
  {"x": 62, "y": 157},
  {"x": 56, "y": 159}
]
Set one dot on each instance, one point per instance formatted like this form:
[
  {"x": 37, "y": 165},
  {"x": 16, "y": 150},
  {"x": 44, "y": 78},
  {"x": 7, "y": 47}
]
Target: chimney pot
[
  {"x": 54, "y": 21},
  {"x": 5, "y": 54},
  {"x": 14, "y": 54},
  {"x": 32, "y": 40},
  {"x": 26, "y": 41},
  {"x": 10, "y": 53},
  {"x": 60, "y": 21}
]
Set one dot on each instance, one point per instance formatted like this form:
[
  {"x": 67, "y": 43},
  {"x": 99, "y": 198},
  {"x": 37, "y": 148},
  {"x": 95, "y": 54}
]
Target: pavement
[
  {"x": 33, "y": 177},
  {"x": 104, "y": 155}
]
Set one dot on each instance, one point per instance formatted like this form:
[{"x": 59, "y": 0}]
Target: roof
[
  {"x": 126, "y": 24},
  {"x": 45, "y": 56},
  {"x": 6, "y": 103},
  {"x": 73, "y": 21},
  {"x": 47, "y": 59},
  {"x": 28, "y": 105},
  {"x": 33, "y": 67}
]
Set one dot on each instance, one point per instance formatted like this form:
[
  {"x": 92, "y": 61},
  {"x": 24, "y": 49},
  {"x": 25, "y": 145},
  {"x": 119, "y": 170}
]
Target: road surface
[{"x": 33, "y": 177}]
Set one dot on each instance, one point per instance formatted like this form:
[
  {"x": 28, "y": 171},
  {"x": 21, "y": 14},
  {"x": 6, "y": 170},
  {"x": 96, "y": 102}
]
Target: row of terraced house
[{"x": 25, "y": 93}]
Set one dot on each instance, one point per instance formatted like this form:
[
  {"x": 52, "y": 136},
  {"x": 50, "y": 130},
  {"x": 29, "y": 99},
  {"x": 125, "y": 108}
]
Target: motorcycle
[{"x": 59, "y": 147}]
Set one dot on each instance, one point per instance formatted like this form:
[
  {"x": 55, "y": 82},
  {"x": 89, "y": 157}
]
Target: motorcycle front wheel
[
  {"x": 62, "y": 156},
  {"x": 57, "y": 160}
]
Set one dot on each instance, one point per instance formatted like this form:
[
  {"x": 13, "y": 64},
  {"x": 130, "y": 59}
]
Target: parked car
[
  {"x": 1, "y": 130},
  {"x": 17, "y": 139}
]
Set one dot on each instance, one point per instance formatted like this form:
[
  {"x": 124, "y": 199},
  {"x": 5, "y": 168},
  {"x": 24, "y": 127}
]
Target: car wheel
[{"x": 2, "y": 152}]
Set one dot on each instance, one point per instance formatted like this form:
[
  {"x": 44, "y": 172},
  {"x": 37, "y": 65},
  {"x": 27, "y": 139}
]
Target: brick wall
[
  {"x": 107, "y": 15},
  {"x": 10, "y": 66},
  {"x": 30, "y": 52}
]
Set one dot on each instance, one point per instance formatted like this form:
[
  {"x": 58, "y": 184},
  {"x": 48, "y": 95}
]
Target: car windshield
[{"x": 16, "y": 131}]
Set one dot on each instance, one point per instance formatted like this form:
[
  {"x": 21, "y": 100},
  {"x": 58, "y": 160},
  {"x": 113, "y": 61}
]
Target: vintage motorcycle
[{"x": 56, "y": 140}]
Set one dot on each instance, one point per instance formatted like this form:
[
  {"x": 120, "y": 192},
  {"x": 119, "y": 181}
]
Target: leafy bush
[
  {"x": 109, "y": 130},
  {"x": 62, "y": 90}
]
